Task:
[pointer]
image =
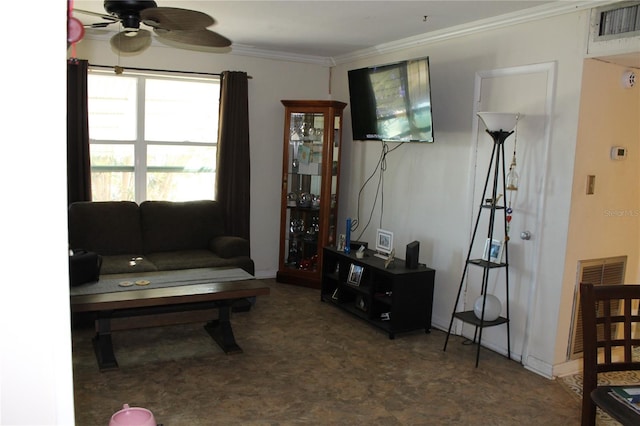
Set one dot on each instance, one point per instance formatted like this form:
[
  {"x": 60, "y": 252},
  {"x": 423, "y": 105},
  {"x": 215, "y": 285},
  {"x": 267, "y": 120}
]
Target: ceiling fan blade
[
  {"x": 99, "y": 25},
  {"x": 203, "y": 37},
  {"x": 127, "y": 43},
  {"x": 100, "y": 15},
  {"x": 108, "y": 19},
  {"x": 173, "y": 18}
]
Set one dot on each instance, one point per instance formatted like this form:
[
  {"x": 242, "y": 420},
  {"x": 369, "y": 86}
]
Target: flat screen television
[{"x": 392, "y": 102}]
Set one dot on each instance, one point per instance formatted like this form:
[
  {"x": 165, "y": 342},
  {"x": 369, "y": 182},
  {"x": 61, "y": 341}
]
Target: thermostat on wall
[{"x": 618, "y": 152}]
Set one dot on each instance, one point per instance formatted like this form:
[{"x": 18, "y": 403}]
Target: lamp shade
[
  {"x": 492, "y": 308},
  {"x": 499, "y": 121}
]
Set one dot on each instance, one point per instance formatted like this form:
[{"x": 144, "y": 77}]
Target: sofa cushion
[
  {"x": 121, "y": 264},
  {"x": 228, "y": 246},
  {"x": 189, "y": 259},
  {"x": 105, "y": 227},
  {"x": 171, "y": 226}
]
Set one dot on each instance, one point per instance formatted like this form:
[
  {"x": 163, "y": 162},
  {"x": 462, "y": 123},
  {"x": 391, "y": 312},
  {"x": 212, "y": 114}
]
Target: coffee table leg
[
  {"x": 102, "y": 344},
  {"x": 220, "y": 330}
]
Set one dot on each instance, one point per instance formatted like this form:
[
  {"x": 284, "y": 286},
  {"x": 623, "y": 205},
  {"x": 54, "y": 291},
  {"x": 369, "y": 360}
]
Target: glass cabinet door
[
  {"x": 310, "y": 187},
  {"x": 304, "y": 189}
]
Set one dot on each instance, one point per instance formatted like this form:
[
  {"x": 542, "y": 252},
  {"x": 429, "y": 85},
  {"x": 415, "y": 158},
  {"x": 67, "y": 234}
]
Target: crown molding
[
  {"x": 536, "y": 13},
  {"x": 244, "y": 50}
]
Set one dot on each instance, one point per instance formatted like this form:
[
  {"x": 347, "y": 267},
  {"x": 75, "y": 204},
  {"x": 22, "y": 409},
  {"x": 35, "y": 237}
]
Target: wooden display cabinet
[{"x": 310, "y": 183}]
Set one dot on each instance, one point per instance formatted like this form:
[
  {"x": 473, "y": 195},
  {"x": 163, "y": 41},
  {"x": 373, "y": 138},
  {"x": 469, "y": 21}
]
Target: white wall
[
  {"x": 36, "y": 378},
  {"x": 427, "y": 187},
  {"x": 271, "y": 82}
]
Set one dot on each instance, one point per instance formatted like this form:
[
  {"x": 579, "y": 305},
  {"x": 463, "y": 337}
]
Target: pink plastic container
[{"x": 133, "y": 416}]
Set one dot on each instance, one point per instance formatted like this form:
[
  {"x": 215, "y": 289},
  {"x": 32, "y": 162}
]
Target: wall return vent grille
[
  {"x": 620, "y": 20},
  {"x": 609, "y": 271}
]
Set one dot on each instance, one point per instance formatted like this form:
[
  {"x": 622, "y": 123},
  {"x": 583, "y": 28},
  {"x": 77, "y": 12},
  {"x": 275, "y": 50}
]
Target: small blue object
[{"x": 347, "y": 242}]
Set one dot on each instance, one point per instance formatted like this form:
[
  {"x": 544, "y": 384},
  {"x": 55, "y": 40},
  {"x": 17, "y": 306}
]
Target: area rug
[{"x": 574, "y": 384}]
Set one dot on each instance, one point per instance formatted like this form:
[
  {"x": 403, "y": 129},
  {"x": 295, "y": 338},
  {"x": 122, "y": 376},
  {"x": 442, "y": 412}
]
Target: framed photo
[
  {"x": 384, "y": 242},
  {"x": 493, "y": 250},
  {"x": 341, "y": 242},
  {"x": 304, "y": 154},
  {"x": 355, "y": 274}
]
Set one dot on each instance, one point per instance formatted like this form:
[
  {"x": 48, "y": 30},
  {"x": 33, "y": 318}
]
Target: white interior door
[{"x": 526, "y": 90}]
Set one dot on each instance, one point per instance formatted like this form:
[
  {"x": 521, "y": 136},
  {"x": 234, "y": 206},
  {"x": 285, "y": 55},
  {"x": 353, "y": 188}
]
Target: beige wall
[{"x": 607, "y": 223}]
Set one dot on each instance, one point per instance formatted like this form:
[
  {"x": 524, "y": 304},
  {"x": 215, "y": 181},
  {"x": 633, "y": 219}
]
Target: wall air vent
[
  {"x": 619, "y": 21},
  {"x": 615, "y": 27},
  {"x": 609, "y": 271}
]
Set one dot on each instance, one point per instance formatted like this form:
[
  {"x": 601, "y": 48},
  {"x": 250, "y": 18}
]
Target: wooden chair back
[{"x": 611, "y": 323}]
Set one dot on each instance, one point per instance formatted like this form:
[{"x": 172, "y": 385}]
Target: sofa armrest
[{"x": 227, "y": 246}]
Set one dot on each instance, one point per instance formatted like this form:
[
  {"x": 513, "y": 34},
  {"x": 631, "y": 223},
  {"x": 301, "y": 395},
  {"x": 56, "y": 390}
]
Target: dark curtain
[
  {"x": 78, "y": 162},
  {"x": 233, "y": 171}
]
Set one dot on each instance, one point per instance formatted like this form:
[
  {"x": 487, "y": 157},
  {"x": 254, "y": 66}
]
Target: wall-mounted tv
[{"x": 392, "y": 102}]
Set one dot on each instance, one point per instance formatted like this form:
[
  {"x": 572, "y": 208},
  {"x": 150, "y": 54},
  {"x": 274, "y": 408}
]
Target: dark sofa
[{"x": 156, "y": 236}]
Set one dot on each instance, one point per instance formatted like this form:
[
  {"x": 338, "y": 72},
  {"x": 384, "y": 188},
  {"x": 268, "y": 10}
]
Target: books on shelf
[{"x": 628, "y": 395}]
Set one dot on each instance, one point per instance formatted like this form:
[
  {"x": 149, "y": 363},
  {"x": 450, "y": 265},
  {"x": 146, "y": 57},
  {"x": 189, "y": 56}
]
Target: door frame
[{"x": 550, "y": 70}]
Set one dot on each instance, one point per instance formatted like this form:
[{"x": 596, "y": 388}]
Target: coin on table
[
  {"x": 143, "y": 282},
  {"x": 125, "y": 283}
]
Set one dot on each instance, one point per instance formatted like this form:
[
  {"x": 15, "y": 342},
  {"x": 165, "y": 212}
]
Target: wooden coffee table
[{"x": 144, "y": 300}]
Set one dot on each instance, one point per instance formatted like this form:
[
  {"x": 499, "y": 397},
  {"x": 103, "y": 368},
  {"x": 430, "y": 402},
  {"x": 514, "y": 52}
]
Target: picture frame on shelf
[
  {"x": 341, "y": 242},
  {"x": 493, "y": 250},
  {"x": 384, "y": 243},
  {"x": 304, "y": 154},
  {"x": 355, "y": 275}
]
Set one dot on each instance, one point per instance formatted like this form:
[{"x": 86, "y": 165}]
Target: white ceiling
[{"x": 324, "y": 29}]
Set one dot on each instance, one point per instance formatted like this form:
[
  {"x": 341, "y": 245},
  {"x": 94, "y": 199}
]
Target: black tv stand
[{"x": 394, "y": 299}]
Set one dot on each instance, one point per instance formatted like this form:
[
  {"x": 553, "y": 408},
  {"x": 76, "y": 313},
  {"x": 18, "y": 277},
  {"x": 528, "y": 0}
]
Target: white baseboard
[
  {"x": 567, "y": 368},
  {"x": 265, "y": 274}
]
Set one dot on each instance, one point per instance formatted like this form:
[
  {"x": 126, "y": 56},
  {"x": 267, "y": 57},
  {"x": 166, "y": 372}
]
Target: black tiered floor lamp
[{"x": 499, "y": 126}]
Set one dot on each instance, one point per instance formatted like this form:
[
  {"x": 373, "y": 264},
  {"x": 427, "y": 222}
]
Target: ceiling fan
[{"x": 170, "y": 24}]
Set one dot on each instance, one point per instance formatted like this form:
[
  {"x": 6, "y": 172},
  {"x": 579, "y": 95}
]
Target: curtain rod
[{"x": 157, "y": 70}]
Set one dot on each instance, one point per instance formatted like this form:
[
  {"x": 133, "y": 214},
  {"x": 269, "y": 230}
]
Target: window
[{"x": 152, "y": 137}]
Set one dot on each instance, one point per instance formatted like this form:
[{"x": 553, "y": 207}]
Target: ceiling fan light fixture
[
  {"x": 134, "y": 43},
  {"x": 130, "y": 22}
]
